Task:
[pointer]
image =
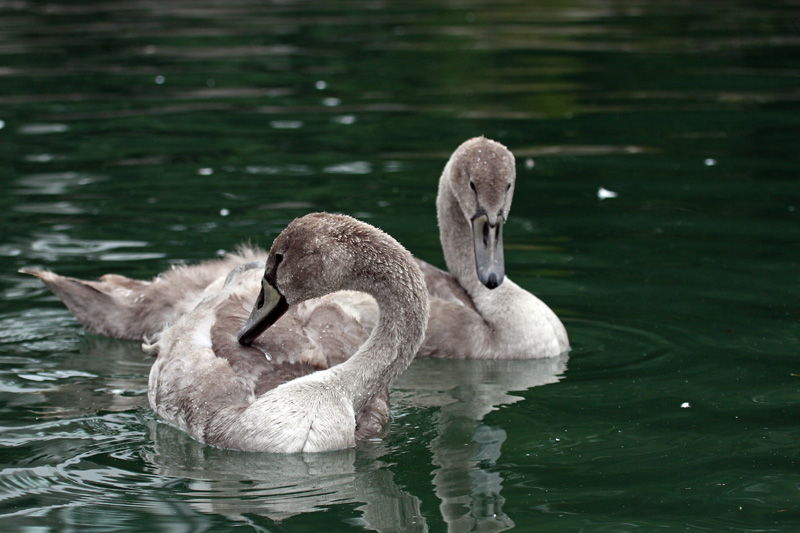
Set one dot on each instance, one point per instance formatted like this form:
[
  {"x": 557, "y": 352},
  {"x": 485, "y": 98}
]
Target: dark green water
[{"x": 134, "y": 135}]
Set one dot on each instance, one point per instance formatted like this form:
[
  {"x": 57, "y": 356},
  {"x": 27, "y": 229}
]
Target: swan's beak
[
  {"x": 489, "y": 250},
  {"x": 270, "y": 306}
]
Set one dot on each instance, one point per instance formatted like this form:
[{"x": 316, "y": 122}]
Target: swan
[
  {"x": 476, "y": 311},
  {"x": 503, "y": 320},
  {"x": 252, "y": 392}
]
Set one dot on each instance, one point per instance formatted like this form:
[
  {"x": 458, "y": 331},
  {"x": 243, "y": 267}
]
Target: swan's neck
[
  {"x": 402, "y": 299},
  {"x": 455, "y": 234}
]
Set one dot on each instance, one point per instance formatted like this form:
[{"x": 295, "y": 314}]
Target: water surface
[{"x": 656, "y": 211}]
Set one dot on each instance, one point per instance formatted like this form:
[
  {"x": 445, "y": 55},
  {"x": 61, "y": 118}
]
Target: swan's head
[
  {"x": 482, "y": 175},
  {"x": 315, "y": 255}
]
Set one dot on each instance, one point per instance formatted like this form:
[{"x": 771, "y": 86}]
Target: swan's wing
[
  {"x": 443, "y": 286},
  {"x": 455, "y": 328},
  {"x": 280, "y": 354},
  {"x": 318, "y": 333},
  {"x": 125, "y": 308},
  {"x": 313, "y": 336},
  {"x": 338, "y": 323},
  {"x": 454, "y": 331}
]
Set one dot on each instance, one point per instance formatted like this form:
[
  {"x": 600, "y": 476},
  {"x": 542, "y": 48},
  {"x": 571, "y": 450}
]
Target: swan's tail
[
  {"x": 114, "y": 306},
  {"x": 125, "y": 308}
]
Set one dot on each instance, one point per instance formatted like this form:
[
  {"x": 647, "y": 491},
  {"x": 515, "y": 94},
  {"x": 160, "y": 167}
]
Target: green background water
[{"x": 134, "y": 135}]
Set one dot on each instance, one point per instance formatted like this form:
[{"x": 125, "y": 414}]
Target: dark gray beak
[
  {"x": 489, "y": 250},
  {"x": 270, "y": 306}
]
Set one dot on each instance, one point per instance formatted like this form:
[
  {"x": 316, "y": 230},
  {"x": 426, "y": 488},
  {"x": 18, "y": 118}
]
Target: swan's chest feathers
[
  {"x": 308, "y": 414},
  {"x": 522, "y": 323}
]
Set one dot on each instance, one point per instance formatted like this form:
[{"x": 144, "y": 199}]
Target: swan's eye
[
  {"x": 278, "y": 259},
  {"x": 508, "y": 186}
]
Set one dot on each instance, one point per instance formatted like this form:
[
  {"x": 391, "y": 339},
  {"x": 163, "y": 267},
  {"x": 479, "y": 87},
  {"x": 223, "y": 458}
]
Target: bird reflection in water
[{"x": 466, "y": 450}]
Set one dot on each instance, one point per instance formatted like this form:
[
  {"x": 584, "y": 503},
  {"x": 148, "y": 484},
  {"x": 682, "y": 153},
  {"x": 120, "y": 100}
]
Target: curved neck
[{"x": 400, "y": 292}]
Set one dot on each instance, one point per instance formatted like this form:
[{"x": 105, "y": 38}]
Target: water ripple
[
  {"x": 608, "y": 350},
  {"x": 287, "y": 170},
  {"x": 355, "y": 167},
  {"x": 52, "y": 246},
  {"x": 54, "y": 183},
  {"x": 51, "y": 208},
  {"x": 35, "y": 326},
  {"x": 280, "y": 486},
  {"x": 70, "y": 463}
]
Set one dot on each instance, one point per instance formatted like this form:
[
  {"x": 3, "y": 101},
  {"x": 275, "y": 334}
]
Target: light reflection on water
[
  {"x": 56, "y": 246},
  {"x": 55, "y": 182},
  {"x": 278, "y": 487},
  {"x": 42, "y": 129},
  {"x": 55, "y": 208},
  {"x": 465, "y": 450}
]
